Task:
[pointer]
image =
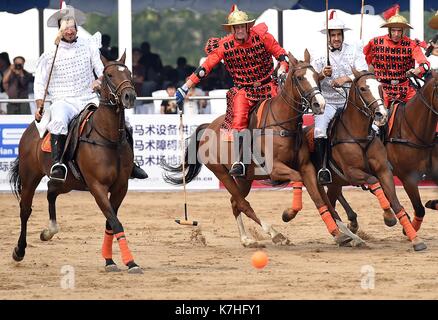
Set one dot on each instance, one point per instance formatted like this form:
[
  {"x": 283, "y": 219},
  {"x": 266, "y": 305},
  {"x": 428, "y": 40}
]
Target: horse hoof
[
  {"x": 16, "y": 256},
  {"x": 353, "y": 227},
  {"x": 112, "y": 268},
  {"x": 253, "y": 244},
  {"x": 288, "y": 215},
  {"x": 342, "y": 240},
  {"x": 418, "y": 244},
  {"x": 135, "y": 270},
  {"x": 389, "y": 219},
  {"x": 281, "y": 240},
  {"x": 431, "y": 204},
  {"x": 46, "y": 235}
]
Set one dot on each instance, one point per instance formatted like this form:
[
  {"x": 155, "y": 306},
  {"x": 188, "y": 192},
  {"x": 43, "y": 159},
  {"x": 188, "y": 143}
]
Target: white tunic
[
  {"x": 341, "y": 61},
  {"x": 70, "y": 84}
]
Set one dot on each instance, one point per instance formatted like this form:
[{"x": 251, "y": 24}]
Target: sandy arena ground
[{"x": 208, "y": 262}]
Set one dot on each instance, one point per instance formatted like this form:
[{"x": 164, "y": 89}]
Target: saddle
[{"x": 75, "y": 129}]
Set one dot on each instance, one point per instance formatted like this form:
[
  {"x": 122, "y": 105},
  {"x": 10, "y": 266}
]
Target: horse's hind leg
[
  {"x": 411, "y": 188},
  {"x": 53, "y": 191},
  {"x": 27, "y": 194},
  {"x": 351, "y": 214},
  {"x": 433, "y": 204},
  {"x": 100, "y": 194}
]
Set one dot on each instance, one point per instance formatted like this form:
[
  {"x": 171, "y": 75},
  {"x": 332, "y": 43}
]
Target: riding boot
[
  {"x": 238, "y": 168},
  {"x": 324, "y": 175},
  {"x": 58, "y": 171},
  {"x": 137, "y": 172}
]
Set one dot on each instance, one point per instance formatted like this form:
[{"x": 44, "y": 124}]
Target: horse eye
[
  {"x": 110, "y": 75},
  {"x": 363, "y": 89},
  {"x": 300, "y": 78}
]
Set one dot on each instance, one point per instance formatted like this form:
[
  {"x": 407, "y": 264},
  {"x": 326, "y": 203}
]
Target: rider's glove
[{"x": 180, "y": 95}]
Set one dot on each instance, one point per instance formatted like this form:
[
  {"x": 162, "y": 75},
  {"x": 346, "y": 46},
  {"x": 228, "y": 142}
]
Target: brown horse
[
  {"x": 103, "y": 157},
  {"x": 412, "y": 146},
  {"x": 358, "y": 156},
  {"x": 278, "y": 152}
]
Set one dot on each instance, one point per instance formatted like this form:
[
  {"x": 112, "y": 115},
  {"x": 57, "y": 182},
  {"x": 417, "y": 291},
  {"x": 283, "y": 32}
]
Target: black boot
[
  {"x": 238, "y": 169},
  {"x": 137, "y": 172},
  {"x": 324, "y": 175},
  {"x": 58, "y": 171}
]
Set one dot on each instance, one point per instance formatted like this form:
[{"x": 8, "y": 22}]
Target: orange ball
[{"x": 259, "y": 259}]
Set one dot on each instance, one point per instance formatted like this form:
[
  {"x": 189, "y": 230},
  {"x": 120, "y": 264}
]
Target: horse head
[
  {"x": 430, "y": 91},
  {"x": 368, "y": 93},
  {"x": 302, "y": 80},
  {"x": 117, "y": 86}
]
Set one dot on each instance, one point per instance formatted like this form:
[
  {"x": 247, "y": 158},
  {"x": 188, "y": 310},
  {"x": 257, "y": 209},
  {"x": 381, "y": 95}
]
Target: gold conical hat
[
  {"x": 397, "y": 21},
  {"x": 433, "y": 23},
  {"x": 237, "y": 17}
]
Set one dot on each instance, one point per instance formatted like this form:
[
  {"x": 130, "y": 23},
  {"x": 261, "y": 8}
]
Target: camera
[{"x": 18, "y": 66}]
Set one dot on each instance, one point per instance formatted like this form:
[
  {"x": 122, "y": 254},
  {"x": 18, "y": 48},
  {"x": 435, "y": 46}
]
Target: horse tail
[
  {"x": 14, "y": 178},
  {"x": 173, "y": 175}
]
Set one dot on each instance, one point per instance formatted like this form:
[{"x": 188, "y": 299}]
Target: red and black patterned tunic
[
  {"x": 391, "y": 61},
  {"x": 250, "y": 65}
]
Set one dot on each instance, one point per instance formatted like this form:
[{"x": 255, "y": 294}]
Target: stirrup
[
  {"x": 324, "y": 176},
  {"x": 237, "y": 169},
  {"x": 63, "y": 167}
]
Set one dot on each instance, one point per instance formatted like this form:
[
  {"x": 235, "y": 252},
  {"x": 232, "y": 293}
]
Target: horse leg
[
  {"x": 53, "y": 191},
  {"x": 100, "y": 194},
  {"x": 433, "y": 204},
  {"x": 387, "y": 183},
  {"x": 411, "y": 187},
  {"x": 116, "y": 199},
  {"x": 297, "y": 202},
  {"x": 334, "y": 192},
  {"x": 27, "y": 194}
]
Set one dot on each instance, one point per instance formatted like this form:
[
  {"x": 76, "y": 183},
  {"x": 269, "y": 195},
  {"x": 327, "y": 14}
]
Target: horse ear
[
  {"x": 306, "y": 56},
  {"x": 292, "y": 60},
  {"x": 104, "y": 60},
  {"x": 123, "y": 58},
  {"x": 355, "y": 72}
]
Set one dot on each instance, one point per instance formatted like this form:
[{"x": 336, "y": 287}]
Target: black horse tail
[
  {"x": 14, "y": 179},
  {"x": 173, "y": 175}
]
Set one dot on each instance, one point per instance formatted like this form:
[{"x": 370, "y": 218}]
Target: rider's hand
[
  {"x": 327, "y": 71},
  {"x": 39, "y": 110},
  {"x": 339, "y": 82},
  {"x": 181, "y": 93},
  {"x": 95, "y": 85}
]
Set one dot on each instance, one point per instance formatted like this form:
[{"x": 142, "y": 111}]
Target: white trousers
[
  {"x": 62, "y": 111},
  {"x": 322, "y": 120}
]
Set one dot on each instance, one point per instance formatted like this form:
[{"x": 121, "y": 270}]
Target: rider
[
  {"x": 393, "y": 58},
  {"x": 433, "y": 43},
  {"x": 247, "y": 54},
  {"x": 333, "y": 76},
  {"x": 72, "y": 83}
]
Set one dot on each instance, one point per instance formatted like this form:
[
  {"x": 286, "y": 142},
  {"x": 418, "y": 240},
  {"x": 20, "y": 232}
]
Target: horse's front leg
[{"x": 387, "y": 183}]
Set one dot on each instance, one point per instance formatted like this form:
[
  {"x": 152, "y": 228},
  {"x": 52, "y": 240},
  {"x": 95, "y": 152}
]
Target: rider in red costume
[
  {"x": 247, "y": 54},
  {"x": 393, "y": 58}
]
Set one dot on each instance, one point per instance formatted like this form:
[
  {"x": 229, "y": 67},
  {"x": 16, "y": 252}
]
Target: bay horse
[
  {"x": 358, "y": 156},
  {"x": 412, "y": 146},
  {"x": 103, "y": 156},
  {"x": 276, "y": 126}
]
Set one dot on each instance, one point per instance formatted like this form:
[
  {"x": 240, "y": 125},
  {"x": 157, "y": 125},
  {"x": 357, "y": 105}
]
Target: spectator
[
  {"x": 194, "y": 106},
  {"x": 151, "y": 62},
  {"x": 170, "y": 76},
  {"x": 4, "y": 65},
  {"x": 106, "y": 49},
  {"x": 137, "y": 70},
  {"x": 183, "y": 69},
  {"x": 16, "y": 82},
  {"x": 169, "y": 106}
]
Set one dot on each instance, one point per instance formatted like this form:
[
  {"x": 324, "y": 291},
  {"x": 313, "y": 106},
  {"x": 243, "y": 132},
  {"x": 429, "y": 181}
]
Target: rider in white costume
[
  {"x": 342, "y": 57},
  {"x": 72, "y": 83}
]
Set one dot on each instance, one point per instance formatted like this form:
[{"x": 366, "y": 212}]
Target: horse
[
  {"x": 104, "y": 159},
  {"x": 358, "y": 156},
  {"x": 276, "y": 125},
  {"x": 412, "y": 146}
]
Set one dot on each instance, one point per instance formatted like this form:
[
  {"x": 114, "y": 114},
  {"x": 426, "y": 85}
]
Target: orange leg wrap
[
  {"x": 297, "y": 200},
  {"x": 417, "y": 223},
  {"x": 328, "y": 219},
  {"x": 107, "y": 246},
  {"x": 377, "y": 190},
  {"x": 124, "y": 250},
  {"x": 407, "y": 226}
]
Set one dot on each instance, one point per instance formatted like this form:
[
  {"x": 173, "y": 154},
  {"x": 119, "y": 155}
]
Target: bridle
[
  {"x": 366, "y": 107},
  {"x": 114, "y": 92},
  {"x": 305, "y": 96}
]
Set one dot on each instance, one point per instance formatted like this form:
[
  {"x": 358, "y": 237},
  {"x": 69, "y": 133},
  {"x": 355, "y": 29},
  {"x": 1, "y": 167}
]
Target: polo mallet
[
  {"x": 185, "y": 222},
  {"x": 327, "y": 31},
  {"x": 57, "y": 40}
]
